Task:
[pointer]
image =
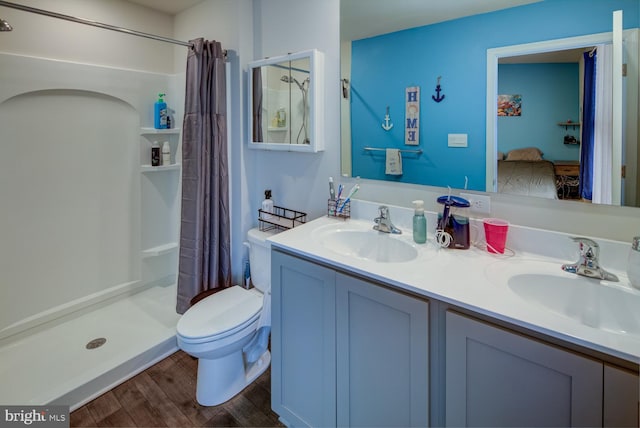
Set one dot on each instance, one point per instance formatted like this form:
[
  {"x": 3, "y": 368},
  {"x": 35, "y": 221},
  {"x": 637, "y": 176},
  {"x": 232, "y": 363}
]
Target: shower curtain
[
  {"x": 603, "y": 127},
  {"x": 585, "y": 187},
  {"x": 205, "y": 256},
  {"x": 257, "y": 105}
]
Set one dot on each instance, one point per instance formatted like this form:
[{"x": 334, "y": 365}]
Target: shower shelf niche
[
  {"x": 154, "y": 131},
  {"x": 149, "y": 168},
  {"x": 160, "y": 206},
  {"x": 160, "y": 250}
]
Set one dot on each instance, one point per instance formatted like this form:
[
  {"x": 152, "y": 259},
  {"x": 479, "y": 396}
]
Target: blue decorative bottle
[{"x": 160, "y": 113}]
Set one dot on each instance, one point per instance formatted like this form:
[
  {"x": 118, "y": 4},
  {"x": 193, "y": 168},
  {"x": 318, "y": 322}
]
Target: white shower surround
[
  {"x": 72, "y": 191},
  {"x": 77, "y": 214}
]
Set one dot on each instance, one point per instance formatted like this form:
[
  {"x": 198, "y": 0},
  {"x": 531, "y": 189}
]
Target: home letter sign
[{"x": 412, "y": 124}]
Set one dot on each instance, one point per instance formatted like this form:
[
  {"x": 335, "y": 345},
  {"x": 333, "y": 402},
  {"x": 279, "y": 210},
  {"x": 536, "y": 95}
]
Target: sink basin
[
  {"x": 599, "y": 304},
  {"x": 362, "y": 242}
]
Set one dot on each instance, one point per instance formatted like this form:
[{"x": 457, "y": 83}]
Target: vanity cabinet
[
  {"x": 382, "y": 356},
  {"x": 345, "y": 351},
  {"x": 621, "y": 397},
  {"x": 497, "y": 377}
]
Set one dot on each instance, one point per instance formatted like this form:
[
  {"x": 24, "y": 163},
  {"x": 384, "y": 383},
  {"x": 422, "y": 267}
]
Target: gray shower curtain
[{"x": 205, "y": 256}]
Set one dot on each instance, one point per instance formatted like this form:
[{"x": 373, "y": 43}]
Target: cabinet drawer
[{"x": 573, "y": 170}]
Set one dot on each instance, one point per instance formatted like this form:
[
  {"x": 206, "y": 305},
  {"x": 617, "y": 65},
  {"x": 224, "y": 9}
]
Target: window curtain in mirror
[
  {"x": 257, "y": 105},
  {"x": 603, "y": 127},
  {"x": 588, "y": 120},
  {"x": 205, "y": 256}
]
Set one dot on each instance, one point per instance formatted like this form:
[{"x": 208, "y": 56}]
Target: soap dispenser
[
  {"x": 633, "y": 263},
  {"x": 419, "y": 223},
  {"x": 267, "y": 206}
]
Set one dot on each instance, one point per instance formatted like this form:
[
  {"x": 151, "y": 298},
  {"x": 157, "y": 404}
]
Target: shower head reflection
[{"x": 5, "y": 26}]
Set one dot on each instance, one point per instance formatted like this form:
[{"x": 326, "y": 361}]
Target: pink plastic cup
[{"x": 495, "y": 232}]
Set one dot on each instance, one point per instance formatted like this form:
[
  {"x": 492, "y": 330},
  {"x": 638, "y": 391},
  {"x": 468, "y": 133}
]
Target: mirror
[
  {"x": 450, "y": 56},
  {"x": 285, "y": 105}
]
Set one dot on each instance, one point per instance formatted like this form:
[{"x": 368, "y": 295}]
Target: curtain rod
[{"x": 93, "y": 23}]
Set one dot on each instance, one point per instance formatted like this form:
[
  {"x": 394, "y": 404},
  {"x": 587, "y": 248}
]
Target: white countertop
[{"x": 459, "y": 277}]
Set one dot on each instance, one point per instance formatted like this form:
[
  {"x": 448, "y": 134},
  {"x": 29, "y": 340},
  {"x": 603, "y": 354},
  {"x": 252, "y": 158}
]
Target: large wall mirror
[
  {"x": 388, "y": 47},
  {"x": 285, "y": 104}
]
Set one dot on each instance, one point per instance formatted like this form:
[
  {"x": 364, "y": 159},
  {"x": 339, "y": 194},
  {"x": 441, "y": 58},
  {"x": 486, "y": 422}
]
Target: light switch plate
[{"x": 457, "y": 140}]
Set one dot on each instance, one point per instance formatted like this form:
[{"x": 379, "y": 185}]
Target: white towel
[{"x": 394, "y": 162}]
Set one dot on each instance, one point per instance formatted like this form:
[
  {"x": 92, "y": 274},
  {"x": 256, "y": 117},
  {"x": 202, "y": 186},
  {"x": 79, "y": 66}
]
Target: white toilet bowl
[{"x": 215, "y": 330}]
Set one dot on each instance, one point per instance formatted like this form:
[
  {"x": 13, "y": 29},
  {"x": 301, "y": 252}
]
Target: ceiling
[
  {"x": 371, "y": 17},
  {"x": 366, "y": 18},
  {"x": 171, "y": 7}
]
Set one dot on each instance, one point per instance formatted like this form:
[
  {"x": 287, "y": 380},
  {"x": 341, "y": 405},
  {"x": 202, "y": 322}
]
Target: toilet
[{"x": 216, "y": 329}]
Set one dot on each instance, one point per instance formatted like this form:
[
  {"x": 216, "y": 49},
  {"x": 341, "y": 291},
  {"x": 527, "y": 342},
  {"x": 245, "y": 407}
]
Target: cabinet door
[
  {"x": 303, "y": 371},
  {"x": 620, "y": 397},
  {"x": 495, "y": 377},
  {"x": 382, "y": 356}
]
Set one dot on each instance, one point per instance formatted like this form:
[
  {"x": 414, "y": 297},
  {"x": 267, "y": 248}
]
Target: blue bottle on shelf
[{"x": 160, "y": 113}]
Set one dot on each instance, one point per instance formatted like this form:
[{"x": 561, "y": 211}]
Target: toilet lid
[{"x": 219, "y": 313}]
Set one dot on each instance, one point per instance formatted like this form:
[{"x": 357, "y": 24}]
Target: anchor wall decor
[
  {"x": 437, "y": 98},
  {"x": 387, "y": 125}
]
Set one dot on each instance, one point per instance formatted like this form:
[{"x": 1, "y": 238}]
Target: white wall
[
  {"x": 46, "y": 37},
  {"x": 300, "y": 180}
]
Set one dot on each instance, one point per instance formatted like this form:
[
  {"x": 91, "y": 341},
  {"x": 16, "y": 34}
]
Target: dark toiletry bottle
[{"x": 155, "y": 154}]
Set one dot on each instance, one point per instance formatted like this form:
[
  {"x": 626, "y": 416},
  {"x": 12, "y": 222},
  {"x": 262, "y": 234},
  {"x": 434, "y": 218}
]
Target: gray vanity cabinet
[
  {"x": 303, "y": 342},
  {"x": 495, "y": 377},
  {"x": 621, "y": 405},
  {"x": 345, "y": 352},
  {"x": 382, "y": 354}
]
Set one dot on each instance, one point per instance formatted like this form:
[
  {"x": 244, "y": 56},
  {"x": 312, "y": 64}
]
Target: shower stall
[{"x": 89, "y": 234}]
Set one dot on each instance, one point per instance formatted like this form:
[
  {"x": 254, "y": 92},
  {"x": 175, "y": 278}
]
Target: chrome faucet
[
  {"x": 589, "y": 264},
  {"x": 383, "y": 222}
]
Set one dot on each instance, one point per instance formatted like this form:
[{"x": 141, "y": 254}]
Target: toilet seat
[{"x": 220, "y": 315}]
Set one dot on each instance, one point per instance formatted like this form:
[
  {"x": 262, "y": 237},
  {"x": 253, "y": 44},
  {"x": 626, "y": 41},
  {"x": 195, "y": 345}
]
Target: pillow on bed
[
  {"x": 526, "y": 154},
  {"x": 500, "y": 156}
]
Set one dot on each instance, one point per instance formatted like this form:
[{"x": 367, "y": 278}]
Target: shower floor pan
[{"x": 55, "y": 366}]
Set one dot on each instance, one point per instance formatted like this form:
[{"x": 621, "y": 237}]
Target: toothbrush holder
[{"x": 338, "y": 208}]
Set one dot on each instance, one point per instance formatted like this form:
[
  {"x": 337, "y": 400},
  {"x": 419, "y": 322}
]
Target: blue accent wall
[
  {"x": 382, "y": 67},
  {"x": 550, "y": 94}
]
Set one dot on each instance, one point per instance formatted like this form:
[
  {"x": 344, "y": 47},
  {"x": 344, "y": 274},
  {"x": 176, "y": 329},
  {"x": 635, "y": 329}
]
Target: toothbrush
[
  {"x": 340, "y": 188},
  {"x": 353, "y": 191},
  {"x": 332, "y": 191}
]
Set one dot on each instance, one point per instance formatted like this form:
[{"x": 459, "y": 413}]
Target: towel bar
[{"x": 375, "y": 149}]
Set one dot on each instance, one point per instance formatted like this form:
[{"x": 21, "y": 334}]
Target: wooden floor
[{"x": 164, "y": 395}]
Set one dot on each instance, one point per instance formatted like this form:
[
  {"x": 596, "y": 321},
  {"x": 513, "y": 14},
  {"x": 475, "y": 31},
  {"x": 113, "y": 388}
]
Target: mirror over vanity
[
  {"x": 450, "y": 55},
  {"x": 286, "y": 102}
]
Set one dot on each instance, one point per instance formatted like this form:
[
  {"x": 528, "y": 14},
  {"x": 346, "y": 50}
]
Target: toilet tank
[{"x": 260, "y": 258}]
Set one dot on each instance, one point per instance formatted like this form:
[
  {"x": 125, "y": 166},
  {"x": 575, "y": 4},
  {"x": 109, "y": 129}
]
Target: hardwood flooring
[{"x": 164, "y": 395}]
